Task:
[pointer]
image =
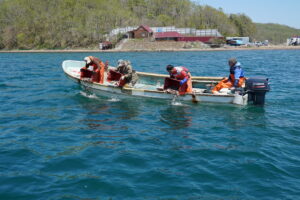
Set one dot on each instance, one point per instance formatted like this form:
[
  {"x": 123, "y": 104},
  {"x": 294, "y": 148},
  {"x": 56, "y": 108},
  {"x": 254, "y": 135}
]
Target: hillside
[
  {"x": 275, "y": 33},
  {"x": 35, "y": 24},
  {"x": 60, "y": 24}
]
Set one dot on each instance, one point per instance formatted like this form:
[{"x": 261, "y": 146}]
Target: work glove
[{"x": 182, "y": 81}]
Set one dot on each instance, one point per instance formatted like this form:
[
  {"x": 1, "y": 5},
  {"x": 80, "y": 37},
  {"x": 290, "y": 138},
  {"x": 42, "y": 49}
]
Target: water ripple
[{"x": 58, "y": 141}]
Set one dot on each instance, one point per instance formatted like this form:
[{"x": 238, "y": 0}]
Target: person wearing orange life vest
[
  {"x": 181, "y": 73},
  {"x": 98, "y": 68},
  {"x": 236, "y": 77}
]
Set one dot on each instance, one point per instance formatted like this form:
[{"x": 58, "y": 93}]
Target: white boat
[{"x": 150, "y": 85}]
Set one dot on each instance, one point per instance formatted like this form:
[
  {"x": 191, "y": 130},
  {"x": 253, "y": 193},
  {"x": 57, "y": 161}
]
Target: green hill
[
  {"x": 55, "y": 24},
  {"x": 275, "y": 33}
]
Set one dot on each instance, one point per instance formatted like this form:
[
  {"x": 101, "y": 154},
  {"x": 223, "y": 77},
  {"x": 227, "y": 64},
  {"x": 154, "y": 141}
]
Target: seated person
[
  {"x": 236, "y": 77},
  {"x": 182, "y": 74},
  {"x": 128, "y": 74},
  {"x": 98, "y": 68}
]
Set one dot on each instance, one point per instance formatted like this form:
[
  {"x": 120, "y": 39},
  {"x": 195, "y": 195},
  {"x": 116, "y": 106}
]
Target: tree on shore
[
  {"x": 244, "y": 25},
  {"x": 275, "y": 33}
]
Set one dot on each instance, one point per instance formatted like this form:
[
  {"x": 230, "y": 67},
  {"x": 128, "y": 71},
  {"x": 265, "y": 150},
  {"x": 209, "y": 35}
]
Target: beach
[{"x": 225, "y": 48}]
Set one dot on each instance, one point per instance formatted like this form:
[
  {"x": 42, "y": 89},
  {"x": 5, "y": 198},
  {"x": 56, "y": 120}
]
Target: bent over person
[
  {"x": 98, "y": 68},
  {"x": 236, "y": 77},
  {"x": 183, "y": 75},
  {"x": 128, "y": 74}
]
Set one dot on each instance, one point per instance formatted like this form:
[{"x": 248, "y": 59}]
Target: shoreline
[{"x": 151, "y": 50}]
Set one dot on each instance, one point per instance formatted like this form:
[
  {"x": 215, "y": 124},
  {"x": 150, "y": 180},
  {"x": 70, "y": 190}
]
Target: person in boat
[
  {"x": 98, "y": 68},
  {"x": 183, "y": 75},
  {"x": 236, "y": 77},
  {"x": 128, "y": 74}
]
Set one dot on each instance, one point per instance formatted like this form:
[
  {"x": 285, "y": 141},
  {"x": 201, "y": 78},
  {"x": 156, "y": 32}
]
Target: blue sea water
[{"x": 59, "y": 142}]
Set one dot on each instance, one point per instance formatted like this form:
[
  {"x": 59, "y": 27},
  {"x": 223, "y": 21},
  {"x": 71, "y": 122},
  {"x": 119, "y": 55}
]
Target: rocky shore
[{"x": 157, "y": 46}]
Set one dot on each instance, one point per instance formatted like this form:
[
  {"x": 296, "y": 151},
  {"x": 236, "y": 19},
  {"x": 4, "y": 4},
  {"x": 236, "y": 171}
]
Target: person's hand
[{"x": 122, "y": 77}]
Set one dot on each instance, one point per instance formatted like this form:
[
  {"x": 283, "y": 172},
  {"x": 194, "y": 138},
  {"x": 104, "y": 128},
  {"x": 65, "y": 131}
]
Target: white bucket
[{"x": 238, "y": 99}]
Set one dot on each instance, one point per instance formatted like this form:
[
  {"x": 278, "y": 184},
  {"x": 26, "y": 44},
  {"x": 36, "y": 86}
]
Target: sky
[{"x": 286, "y": 12}]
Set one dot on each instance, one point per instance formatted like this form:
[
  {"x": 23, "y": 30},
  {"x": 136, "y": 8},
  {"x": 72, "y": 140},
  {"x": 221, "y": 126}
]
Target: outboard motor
[{"x": 256, "y": 89}]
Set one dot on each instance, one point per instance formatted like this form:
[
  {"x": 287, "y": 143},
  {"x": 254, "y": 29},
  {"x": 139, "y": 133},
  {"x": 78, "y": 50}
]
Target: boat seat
[
  {"x": 199, "y": 90},
  {"x": 113, "y": 76},
  {"x": 85, "y": 73}
]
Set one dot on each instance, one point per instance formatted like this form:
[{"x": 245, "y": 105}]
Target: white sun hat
[{"x": 87, "y": 60}]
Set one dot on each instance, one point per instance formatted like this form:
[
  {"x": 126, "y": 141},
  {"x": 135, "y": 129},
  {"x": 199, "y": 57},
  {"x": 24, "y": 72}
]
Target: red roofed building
[
  {"x": 141, "y": 32},
  {"x": 161, "y": 34},
  {"x": 173, "y": 35},
  {"x": 204, "y": 39}
]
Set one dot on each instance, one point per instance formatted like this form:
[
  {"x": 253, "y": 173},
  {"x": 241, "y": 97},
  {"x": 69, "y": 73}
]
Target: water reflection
[
  {"x": 106, "y": 124},
  {"x": 249, "y": 116},
  {"x": 102, "y": 114},
  {"x": 177, "y": 117},
  {"x": 125, "y": 109}
]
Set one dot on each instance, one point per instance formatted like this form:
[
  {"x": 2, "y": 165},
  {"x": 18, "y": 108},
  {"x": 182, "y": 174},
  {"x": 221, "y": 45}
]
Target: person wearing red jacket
[
  {"x": 183, "y": 75},
  {"x": 98, "y": 68}
]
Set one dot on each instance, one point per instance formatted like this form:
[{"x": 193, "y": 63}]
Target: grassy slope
[{"x": 275, "y": 33}]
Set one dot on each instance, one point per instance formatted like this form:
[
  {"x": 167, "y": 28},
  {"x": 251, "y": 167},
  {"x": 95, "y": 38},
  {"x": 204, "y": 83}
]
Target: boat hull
[{"x": 144, "y": 89}]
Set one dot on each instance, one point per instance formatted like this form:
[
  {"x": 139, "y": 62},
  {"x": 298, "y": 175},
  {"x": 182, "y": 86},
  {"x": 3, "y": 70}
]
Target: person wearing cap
[
  {"x": 128, "y": 74},
  {"x": 98, "y": 68},
  {"x": 236, "y": 77},
  {"x": 181, "y": 73}
]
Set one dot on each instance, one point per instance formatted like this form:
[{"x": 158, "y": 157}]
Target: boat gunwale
[
  {"x": 144, "y": 90},
  {"x": 194, "y": 78}
]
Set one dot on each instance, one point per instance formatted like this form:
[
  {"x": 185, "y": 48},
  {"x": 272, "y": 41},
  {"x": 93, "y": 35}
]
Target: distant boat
[{"x": 151, "y": 85}]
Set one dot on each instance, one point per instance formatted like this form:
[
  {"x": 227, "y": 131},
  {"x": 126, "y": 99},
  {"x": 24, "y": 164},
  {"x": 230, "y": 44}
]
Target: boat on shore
[{"x": 151, "y": 85}]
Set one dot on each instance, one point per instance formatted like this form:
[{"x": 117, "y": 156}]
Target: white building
[
  {"x": 293, "y": 41},
  {"x": 185, "y": 31}
]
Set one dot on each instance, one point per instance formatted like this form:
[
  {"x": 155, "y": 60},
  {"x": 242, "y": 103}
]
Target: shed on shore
[
  {"x": 175, "y": 36},
  {"x": 172, "y": 35},
  {"x": 204, "y": 39},
  {"x": 141, "y": 32}
]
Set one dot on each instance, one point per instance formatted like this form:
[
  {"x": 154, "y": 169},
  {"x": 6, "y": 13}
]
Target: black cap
[{"x": 169, "y": 67}]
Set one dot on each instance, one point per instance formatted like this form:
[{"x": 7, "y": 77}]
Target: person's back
[
  {"x": 181, "y": 73},
  {"x": 236, "y": 72}
]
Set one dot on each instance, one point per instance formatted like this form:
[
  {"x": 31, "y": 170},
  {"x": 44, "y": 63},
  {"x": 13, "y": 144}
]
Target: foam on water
[
  {"x": 90, "y": 96},
  {"x": 176, "y": 103},
  {"x": 114, "y": 99}
]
